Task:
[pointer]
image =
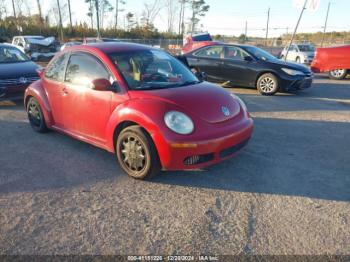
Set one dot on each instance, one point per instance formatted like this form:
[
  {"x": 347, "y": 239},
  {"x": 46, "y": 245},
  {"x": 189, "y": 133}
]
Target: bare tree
[
  {"x": 70, "y": 15},
  {"x": 118, "y": 9},
  {"x": 91, "y": 12},
  {"x": 130, "y": 18},
  {"x": 150, "y": 12},
  {"x": 171, "y": 8},
  {"x": 60, "y": 20},
  {"x": 3, "y": 10},
  {"x": 183, "y": 4},
  {"x": 199, "y": 8}
]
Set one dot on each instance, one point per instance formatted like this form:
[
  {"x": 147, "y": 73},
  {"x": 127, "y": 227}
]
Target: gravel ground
[{"x": 287, "y": 192}]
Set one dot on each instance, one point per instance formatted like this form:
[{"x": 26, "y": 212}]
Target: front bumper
[
  {"x": 208, "y": 152},
  {"x": 296, "y": 83}
]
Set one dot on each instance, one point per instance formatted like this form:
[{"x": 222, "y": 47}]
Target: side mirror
[
  {"x": 101, "y": 84},
  {"x": 202, "y": 76},
  {"x": 248, "y": 59}
]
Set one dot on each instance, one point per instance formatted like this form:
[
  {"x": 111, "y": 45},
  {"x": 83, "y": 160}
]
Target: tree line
[{"x": 17, "y": 17}]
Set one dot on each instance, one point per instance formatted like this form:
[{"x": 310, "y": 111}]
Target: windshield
[
  {"x": 259, "y": 53},
  {"x": 9, "y": 54},
  {"x": 152, "y": 69},
  {"x": 306, "y": 48}
]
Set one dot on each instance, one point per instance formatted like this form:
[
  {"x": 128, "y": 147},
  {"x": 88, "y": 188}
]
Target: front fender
[
  {"x": 36, "y": 90},
  {"x": 148, "y": 115}
]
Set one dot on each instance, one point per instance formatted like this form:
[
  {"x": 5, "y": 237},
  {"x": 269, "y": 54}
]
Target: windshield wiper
[{"x": 187, "y": 83}]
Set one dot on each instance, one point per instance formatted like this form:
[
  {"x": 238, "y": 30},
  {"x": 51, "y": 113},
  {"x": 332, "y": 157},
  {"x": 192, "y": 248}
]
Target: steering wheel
[{"x": 157, "y": 77}]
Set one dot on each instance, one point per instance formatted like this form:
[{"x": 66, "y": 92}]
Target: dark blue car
[{"x": 17, "y": 72}]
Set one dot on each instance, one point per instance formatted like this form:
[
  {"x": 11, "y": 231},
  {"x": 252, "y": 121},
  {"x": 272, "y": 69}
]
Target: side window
[
  {"x": 212, "y": 52},
  {"x": 82, "y": 69},
  {"x": 236, "y": 53},
  {"x": 56, "y": 69}
]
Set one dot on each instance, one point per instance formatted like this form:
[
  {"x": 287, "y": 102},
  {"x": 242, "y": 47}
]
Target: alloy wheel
[
  {"x": 337, "y": 73},
  {"x": 267, "y": 84},
  {"x": 133, "y": 153},
  {"x": 34, "y": 113}
]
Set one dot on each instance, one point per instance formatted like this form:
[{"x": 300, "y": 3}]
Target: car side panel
[{"x": 327, "y": 59}]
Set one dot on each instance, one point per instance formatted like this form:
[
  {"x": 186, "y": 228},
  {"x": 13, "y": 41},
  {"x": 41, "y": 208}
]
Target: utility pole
[
  {"x": 295, "y": 30},
  {"x": 246, "y": 31},
  {"x": 267, "y": 26},
  {"x": 97, "y": 19},
  {"x": 70, "y": 16},
  {"x": 325, "y": 24},
  {"x": 60, "y": 17}
]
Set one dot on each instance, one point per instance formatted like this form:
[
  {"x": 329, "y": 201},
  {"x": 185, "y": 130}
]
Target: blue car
[{"x": 17, "y": 72}]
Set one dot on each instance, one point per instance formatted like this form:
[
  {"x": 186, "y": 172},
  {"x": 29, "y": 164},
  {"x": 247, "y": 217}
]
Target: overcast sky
[{"x": 229, "y": 16}]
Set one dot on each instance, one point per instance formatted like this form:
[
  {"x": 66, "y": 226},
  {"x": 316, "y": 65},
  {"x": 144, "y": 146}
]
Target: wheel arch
[
  {"x": 123, "y": 117},
  {"x": 37, "y": 91}
]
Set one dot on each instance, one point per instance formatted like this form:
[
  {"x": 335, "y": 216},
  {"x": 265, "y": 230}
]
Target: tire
[
  {"x": 35, "y": 116},
  {"x": 337, "y": 74},
  {"x": 267, "y": 84},
  {"x": 132, "y": 143}
]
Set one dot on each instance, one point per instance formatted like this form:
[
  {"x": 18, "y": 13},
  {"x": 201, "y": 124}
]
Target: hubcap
[
  {"x": 338, "y": 72},
  {"x": 34, "y": 114},
  {"x": 267, "y": 84},
  {"x": 133, "y": 153}
]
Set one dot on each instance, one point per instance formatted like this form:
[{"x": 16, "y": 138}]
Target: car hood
[
  {"x": 203, "y": 100},
  {"x": 17, "y": 70},
  {"x": 290, "y": 65}
]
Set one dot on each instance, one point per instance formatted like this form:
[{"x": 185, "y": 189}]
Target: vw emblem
[
  {"x": 225, "y": 111},
  {"x": 23, "y": 80}
]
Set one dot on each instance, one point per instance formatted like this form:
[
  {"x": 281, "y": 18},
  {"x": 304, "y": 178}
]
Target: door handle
[{"x": 64, "y": 91}]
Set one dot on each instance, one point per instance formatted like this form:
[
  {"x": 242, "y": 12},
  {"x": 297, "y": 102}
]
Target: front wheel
[
  {"x": 337, "y": 74},
  {"x": 137, "y": 154},
  {"x": 36, "y": 116},
  {"x": 267, "y": 84}
]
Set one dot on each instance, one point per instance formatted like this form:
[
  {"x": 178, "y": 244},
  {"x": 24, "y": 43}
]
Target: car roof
[{"x": 111, "y": 47}]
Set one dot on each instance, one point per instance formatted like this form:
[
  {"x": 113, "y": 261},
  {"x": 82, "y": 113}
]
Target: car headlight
[
  {"x": 178, "y": 122},
  {"x": 243, "y": 105},
  {"x": 292, "y": 72}
]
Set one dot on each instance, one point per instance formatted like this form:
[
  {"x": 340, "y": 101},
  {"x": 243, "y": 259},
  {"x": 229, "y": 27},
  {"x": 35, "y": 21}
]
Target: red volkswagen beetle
[{"x": 141, "y": 104}]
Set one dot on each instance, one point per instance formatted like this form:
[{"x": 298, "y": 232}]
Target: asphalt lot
[{"x": 287, "y": 192}]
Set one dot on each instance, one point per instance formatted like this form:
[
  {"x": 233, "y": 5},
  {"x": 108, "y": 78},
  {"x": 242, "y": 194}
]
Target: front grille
[
  {"x": 199, "y": 159},
  {"x": 233, "y": 149},
  {"x": 18, "y": 81}
]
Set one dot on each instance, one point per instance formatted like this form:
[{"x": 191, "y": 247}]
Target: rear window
[{"x": 206, "y": 37}]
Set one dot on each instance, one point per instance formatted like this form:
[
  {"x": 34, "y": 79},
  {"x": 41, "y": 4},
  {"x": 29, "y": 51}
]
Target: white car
[
  {"x": 38, "y": 48},
  {"x": 300, "y": 53}
]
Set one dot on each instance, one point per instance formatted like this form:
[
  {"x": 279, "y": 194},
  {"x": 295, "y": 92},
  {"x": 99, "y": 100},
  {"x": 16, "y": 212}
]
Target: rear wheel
[
  {"x": 137, "y": 154},
  {"x": 36, "y": 116},
  {"x": 337, "y": 74},
  {"x": 267, "y": 84}
]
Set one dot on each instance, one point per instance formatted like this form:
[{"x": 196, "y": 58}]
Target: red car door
[
  {"x": 53, "y": 82},
  {"x": 86, "y": 111}
]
